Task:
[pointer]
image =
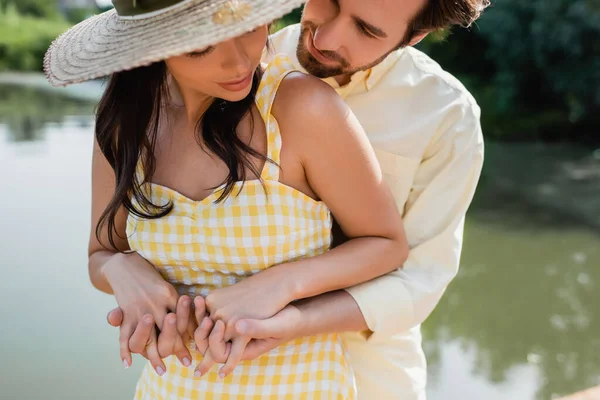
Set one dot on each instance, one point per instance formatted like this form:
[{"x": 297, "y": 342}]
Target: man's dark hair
[{"x": 441, "y": 14}]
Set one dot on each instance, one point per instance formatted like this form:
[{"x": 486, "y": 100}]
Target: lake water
[{"x": 520, "y": 322}]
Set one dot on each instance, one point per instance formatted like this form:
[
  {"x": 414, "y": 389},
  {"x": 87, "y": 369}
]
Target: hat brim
[{"x": 105, "y": 44}]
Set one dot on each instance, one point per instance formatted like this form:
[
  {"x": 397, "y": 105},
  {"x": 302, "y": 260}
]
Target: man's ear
[{"x": 417, "y": 38}]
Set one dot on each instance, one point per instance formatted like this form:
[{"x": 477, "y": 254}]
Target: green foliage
[
  {"x": 76, "y": 15},
  {"x": 35, "y": 8},
  {"x": 27, "y": 27},
  {"x": 25, "y": 39},
  {"x": 533, "y": 66},
  {"x": 291, "y": 18}
]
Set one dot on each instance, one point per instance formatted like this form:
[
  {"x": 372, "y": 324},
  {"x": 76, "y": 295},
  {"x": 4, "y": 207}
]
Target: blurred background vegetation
[
  {"x": 533, "y": 66},
  {"x": 27, "y": 27}
]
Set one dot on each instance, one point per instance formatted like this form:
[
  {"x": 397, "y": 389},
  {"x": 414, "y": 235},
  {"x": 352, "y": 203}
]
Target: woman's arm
[
  {"x": 103, "y": 188},
  {"x": 139, "y": 289},
  {"x": 342, "y": 170},
  {"x": 333, "y": 161},
  {"x": 339, "y": 167}
]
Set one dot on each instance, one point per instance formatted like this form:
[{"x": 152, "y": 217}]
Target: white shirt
[{"x": 424, "y": 127}]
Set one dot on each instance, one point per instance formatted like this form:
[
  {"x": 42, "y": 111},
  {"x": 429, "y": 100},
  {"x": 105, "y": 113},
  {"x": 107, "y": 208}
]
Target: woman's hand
[
  {"x": 177, "y": 329},
  {"x": 144, "y": 297},
  {"x": 259, "y": 296}
]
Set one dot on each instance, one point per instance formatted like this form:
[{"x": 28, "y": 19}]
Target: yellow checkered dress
[{"x": 202, "y": 245}]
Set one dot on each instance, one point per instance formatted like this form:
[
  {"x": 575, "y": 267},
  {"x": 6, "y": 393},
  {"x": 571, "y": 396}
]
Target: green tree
[
  {"x": 534, "y": 66},
  {"x": 36, "y": 8},
  {"x": 24, "y": 39}
]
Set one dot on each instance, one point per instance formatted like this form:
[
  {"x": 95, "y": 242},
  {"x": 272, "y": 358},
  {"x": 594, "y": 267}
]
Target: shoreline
[{"x": 87, "y": 91}]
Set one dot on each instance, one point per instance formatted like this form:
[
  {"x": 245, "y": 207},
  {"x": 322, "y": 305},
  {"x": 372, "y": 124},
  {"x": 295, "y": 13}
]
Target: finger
[
  {"x": 172, "y": 300},
  {"x": 257, "y": 347},
  {"x": 201, "y": 335},
  {"x": 217, "y": 344},
  {"x": 259, "y": 328},
  {"x": 168, "y": 335},
  {"x": 153, "y": 356},
  {"x": 184, "y": 306},
  {"x": 230, "y": 332},
  {"x": 235, "y": 356},
  {"x": 141, "y": 336},
  {"x": 124, "y": 335},
  {"x": 204, "y": 366},
  {"x": 199, "y": 309},
  {"x": 182, "y": 352},
  {"x": 159, "y": 318},
  {"x": 115, "y": 317},
  {"x": 191, "y": 328},
  {"x": 199, "y": 312}
]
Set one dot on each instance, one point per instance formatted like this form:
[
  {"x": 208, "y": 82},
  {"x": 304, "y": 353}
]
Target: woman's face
[{"x": 224, "y": 70}]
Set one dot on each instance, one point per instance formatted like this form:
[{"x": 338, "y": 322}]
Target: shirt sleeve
[{"x": 434, "y": 216}]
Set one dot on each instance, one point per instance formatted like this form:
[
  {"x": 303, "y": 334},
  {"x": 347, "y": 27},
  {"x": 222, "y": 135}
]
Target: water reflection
[
  {"x": 26, "y": 111},
  {"x": 526, "y": 295},
  {"x": 520, "y": 321}
]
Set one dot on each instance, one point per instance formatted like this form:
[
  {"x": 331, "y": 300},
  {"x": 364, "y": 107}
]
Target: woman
[{"x": 213, "y": 169}]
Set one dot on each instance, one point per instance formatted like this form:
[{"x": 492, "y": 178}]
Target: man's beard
[{"x": 316, "y": 68}]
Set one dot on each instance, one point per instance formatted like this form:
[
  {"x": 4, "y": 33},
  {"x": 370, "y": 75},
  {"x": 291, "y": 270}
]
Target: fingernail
[
  {"x": 172, "y": 321},
  {"x": 221, "y": 375},
  {"x": 241, "y": 327},
  {"x": 160, "y": 371},
  {"x": 126, "y": 364},
  {"x": 203, "y": 324},
  {"x": 197, "y": 374},
  {"x": 148, "y": 319},
  {"x": 186, "y": 362}
]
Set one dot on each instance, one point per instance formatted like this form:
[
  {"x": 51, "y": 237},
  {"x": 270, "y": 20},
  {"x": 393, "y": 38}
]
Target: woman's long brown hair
[{"x": 127, "y": 122}]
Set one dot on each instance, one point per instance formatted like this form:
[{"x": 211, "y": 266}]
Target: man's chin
[
  {"x": 319, "y": 73},
  {"x": 315, "y": 68}
]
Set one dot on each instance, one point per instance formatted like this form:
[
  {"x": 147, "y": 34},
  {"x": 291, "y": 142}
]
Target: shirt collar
[{"x": 364, "y": 81}]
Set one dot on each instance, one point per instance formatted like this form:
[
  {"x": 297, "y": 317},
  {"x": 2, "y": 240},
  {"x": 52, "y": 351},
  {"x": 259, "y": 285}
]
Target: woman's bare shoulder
[{"x": 302, "y": 99}]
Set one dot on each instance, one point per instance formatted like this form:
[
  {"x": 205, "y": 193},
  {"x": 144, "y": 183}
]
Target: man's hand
[
  {"x": 263, "y": 335},
  {"x": 259, "y": 296},
  {"x": 270, "y": 333},
  {"x": 204, "y": 325}
]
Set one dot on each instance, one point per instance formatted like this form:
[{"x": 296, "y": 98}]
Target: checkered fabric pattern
[{"x": 203, "y": 245}]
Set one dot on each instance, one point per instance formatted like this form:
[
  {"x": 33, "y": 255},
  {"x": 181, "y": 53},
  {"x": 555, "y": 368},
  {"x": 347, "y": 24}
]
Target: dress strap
[{"x": 272, "y": 77}]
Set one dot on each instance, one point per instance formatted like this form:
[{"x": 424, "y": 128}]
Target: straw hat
[{"x": 140, "y": 32}]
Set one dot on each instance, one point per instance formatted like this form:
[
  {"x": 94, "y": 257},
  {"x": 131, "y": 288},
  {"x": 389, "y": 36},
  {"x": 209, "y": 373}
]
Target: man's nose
[{"x": 328, "y": 36}]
